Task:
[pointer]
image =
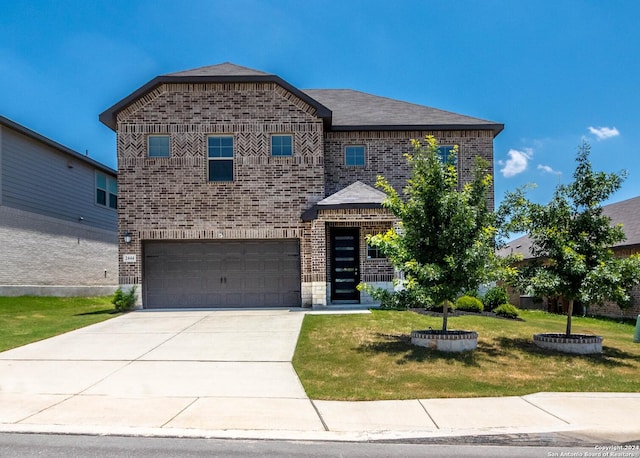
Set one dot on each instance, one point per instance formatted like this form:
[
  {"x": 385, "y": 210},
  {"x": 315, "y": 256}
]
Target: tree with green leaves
[
  {"x": 572, "y": 239},
  {"x": 444, "y": 242}
]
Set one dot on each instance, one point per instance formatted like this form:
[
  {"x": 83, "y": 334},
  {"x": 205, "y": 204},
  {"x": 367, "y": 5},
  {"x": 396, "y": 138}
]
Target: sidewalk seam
[
  {"x": 179, "y": 413},
  {"x": 545, "y": 411},
  {"x": 70, "y": 396},
  {"x": 324, "y": 425},
  {"x": 428, "y": 414}
]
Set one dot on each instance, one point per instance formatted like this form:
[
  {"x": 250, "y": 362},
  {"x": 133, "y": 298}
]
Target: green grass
[
  {"x": 367, "y": 357},
  {"x": 27, "y": 319}
]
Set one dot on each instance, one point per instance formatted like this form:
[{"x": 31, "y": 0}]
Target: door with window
[{"x": 345, "y": 264}]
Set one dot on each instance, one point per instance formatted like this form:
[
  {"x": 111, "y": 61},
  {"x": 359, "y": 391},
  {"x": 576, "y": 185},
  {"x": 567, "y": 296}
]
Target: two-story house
[
  {"x": 237, "y": 189},
  {"x": 58, "y": 218}
]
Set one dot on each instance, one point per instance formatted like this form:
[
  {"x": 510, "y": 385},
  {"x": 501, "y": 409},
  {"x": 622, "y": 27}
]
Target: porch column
[{"x": 318, "y": 262}]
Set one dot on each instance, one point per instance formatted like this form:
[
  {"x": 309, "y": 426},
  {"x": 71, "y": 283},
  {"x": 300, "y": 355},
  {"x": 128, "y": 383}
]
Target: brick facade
[
  {"x": 170, "y": 198},
  {"x": 385, "y": 151}
]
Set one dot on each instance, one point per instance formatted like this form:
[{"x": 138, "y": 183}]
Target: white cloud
[
  {"x": 517, "y": 162},
  {"x": 604, "y": 132},
  {"x": 548, "y": 169}
]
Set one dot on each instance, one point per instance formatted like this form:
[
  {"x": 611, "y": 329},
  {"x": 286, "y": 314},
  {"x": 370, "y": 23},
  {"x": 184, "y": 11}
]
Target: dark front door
[{"x": 345, "y": 262}]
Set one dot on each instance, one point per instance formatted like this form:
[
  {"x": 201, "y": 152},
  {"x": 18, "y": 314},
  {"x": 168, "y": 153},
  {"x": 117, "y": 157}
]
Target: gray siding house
[
  {"x": 58, "y": 218},
  {"x": 237, "y": 189}
]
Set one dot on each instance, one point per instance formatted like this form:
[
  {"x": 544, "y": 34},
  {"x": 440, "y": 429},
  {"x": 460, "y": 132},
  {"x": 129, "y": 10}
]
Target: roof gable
[
  {"x": 221, "y": 73},
  {"x": 224, "y": 69},
  {"x": 355, "y": 193},
  {"x": 340, "y": 109}
]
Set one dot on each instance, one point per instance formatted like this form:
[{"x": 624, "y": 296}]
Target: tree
[
  {"x": 572, "y": 239},
  {"x": 444, "y": 241}
]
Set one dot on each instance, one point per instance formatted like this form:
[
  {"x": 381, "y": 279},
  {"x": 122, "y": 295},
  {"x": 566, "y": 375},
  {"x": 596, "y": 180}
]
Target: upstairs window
[
  {"x": 220, "y": 158},
  {"x": 158, "y": 146},
  {"x": 281, "y": 145},
  {"x": 106, "y": 191},
  {"x": 448, "y": 154},
  {"x": 354, "y": 156}
]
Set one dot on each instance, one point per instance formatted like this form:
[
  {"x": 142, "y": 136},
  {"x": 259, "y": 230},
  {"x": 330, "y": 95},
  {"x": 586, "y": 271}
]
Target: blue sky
[{"x": 554, "y": 72}]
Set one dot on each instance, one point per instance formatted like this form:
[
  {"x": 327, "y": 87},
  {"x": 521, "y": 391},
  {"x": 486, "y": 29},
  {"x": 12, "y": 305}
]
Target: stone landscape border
[{"x": 449, "y": 341}]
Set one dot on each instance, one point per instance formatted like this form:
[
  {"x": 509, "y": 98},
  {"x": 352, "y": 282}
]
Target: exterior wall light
[{"x": 127, "y": 237}]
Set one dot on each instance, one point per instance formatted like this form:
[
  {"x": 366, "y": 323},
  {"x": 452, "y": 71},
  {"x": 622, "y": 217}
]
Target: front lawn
[
  {"x": 367, "y": 357},
  {"x": 26, "y": 319}
]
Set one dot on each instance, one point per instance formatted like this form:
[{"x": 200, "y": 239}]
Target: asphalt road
[{"x": 71, "y": 446}]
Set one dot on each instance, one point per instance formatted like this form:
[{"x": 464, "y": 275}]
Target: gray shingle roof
[
  {"x": 354, "y": 109},
  {"x": 626, "y": 212},
  {"x": 221, "y": 73},
  {"x": 340, "y": 109},
  {"x": 224, "y": 69},
  {"x": 355, "y": 193}
]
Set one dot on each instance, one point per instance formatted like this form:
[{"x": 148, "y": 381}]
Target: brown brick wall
[
  {"x": 171, "y": 198},
  {"x": 384, "y": 155},
  {"x": 165, "y": 198}
]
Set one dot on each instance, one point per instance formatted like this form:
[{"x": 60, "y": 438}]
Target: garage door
[{"x": 253, "y": 273}]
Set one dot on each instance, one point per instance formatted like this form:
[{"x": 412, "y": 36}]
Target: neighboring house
[
  {"x": 238, "y": 189},
  {"x": 58, "y": 218},
  {"x": 626, "y": 213}
]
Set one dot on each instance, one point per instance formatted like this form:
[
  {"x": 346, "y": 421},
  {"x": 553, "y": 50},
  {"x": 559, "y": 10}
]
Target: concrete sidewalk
[{"x": 229, "y": 374}]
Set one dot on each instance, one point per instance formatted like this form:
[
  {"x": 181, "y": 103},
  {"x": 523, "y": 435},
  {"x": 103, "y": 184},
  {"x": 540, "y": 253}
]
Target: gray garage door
[{"x": 247, "y": 273}]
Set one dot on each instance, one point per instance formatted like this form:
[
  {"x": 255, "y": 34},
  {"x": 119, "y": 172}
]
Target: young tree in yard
[
  {"x": 444, "y": 242},
  {"x": 572, "y": 240}
]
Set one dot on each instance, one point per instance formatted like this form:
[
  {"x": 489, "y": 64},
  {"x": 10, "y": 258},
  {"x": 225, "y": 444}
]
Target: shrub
[
  {"x": 124, "y": 301},
  {"x": 507, "y": 311},
  {"x": 440, "y": 307},
  {"x": 395, "y": 300},
  {"x": 495, "y": 296},
  {"x": 469, "y": 304}
]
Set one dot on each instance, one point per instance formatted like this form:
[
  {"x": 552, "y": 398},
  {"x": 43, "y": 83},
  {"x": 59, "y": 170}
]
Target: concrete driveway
[
  {"x": 206, "y": 370},
  {"x": 229, "y": 374}
]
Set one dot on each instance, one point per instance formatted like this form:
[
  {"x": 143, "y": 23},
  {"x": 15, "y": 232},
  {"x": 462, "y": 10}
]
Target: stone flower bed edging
[
  {"x": 449, "y": 341},
  {"x": 576, "y": 343}
]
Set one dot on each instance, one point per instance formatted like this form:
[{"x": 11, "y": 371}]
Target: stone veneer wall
[
  {"x": 171, "y": 198},
  {"x": 384, "y": 155},
  {"x": 42, "y": 255}
]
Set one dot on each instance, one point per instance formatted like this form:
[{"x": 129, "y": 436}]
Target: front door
[{"x": 345, "y": 263}]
